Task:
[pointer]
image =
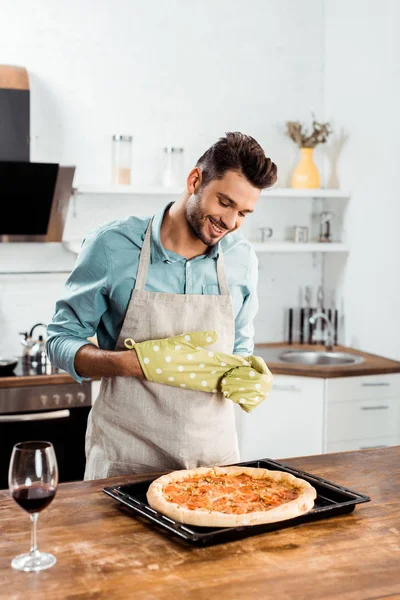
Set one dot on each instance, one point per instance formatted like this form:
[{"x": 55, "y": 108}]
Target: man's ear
[{"x": 194, "y": 180}]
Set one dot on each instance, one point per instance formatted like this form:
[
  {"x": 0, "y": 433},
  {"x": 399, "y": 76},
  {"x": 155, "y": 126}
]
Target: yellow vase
[{"x": 306, "y": 174}]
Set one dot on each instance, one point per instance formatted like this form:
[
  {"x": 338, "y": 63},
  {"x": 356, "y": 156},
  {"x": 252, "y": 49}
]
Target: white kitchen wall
[
  {"x": 175, "y": 72},
  {"x": 362, "y": 97}
]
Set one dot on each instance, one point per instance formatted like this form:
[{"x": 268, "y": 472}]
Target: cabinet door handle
[
  {"x": 377, "y": 384},
  {"x": 382, "y": 407},
  {"x": 379, "y": 446},
  {"x": 286, "y": 388},
  {"x": 44, "y": 416}
]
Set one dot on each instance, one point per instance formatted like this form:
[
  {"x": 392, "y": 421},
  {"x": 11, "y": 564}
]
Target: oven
[{"x": 56, "y": 413}]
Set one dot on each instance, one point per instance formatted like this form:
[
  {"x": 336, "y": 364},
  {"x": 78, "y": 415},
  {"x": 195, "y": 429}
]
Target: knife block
[{"x": 300, "y": 331}]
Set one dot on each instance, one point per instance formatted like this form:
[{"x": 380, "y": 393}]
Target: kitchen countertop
[
  {"x": 372, "y": 365},
  {"x": 24, "y": 375},
  {"x": 103, "y": 552}
]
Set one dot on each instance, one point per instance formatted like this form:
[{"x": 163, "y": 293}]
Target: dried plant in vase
[{"x": 306, "y": 174}]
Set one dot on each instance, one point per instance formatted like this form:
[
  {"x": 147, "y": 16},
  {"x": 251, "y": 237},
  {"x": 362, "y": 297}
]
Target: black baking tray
[{"x": 332, "y": 500}]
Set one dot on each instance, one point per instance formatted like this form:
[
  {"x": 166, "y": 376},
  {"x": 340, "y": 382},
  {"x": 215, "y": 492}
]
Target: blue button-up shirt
[{"x": 97, "y": 292}]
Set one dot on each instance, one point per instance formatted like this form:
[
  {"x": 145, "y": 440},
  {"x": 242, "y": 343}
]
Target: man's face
[{"x": 221, "y": 207}]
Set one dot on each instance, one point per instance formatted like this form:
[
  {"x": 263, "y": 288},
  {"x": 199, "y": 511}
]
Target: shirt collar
[
  {"x": 159, "y": 253},
  {"x": 213, "y": 251}
]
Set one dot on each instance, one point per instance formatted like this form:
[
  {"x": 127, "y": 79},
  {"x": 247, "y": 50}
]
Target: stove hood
[{"x": 34, "y": 201}]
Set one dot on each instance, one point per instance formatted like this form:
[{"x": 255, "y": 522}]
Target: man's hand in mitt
[{"x": 248, "y": 386}]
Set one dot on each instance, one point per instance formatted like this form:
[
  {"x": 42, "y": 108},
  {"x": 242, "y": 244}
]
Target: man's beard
[{"x": 197, "y": 220}]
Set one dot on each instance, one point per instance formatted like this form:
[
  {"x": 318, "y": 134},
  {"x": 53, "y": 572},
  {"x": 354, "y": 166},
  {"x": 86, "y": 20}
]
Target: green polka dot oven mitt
[
  {"x": 248, "y": 386},
  {"x": 184, "y": 361}
]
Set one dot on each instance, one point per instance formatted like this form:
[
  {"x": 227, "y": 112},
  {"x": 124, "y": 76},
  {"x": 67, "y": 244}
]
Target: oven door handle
[{"x": 44, "y": 416}]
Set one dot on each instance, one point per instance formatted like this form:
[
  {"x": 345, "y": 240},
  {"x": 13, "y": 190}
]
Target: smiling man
[{"x": 140, "y": 282}]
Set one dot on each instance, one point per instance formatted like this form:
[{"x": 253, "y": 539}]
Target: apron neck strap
[
  {"x": 222, "y": 281},
  {"x": 144, "y": 261}
]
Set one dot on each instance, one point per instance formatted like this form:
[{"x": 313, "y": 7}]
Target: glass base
[{"x": 33, "y": 562}]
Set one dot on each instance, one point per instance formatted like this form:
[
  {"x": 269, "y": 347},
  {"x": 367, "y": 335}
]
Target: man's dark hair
[{"x": 241, "y": 153}]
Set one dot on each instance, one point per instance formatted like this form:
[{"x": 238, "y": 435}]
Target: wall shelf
[
  {"x": 74, "y": 246},
  {"x": 297, "y": 247},
  {"x": 176, "y": 191},
  {"x": 312, "y": 193},
  {"x": 130, "y": 189}
]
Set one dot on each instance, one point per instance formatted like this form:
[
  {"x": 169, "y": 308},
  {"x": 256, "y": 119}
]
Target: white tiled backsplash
[{"x": 24, "y": 301}]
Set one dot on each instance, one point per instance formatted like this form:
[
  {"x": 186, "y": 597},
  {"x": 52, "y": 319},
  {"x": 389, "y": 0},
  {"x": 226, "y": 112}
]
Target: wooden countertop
[
  {"x": 102, "y": 552},
  {"x": 36, "y": 380},
  {"x": 29, "y": 380},
  {"x": 372, "y": 365}
]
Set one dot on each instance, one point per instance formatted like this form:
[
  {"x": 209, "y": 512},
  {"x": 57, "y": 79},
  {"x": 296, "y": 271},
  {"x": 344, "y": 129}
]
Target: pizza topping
[{"x": 231, "y": 494}]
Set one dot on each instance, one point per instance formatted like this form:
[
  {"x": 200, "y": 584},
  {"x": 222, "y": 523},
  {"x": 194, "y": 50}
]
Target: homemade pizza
[{"x": 230, "y": 496}]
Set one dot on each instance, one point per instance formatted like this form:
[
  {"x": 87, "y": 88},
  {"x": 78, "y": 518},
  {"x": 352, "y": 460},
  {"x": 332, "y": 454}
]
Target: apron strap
[
  {"x": 222, "y": 281},
  {"x": 144, "y": 261}
]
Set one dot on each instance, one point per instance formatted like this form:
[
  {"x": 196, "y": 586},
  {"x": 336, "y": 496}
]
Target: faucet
[{"x": 330, "y": 333}]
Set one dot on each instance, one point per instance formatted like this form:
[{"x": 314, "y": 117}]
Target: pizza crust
[{"x": 206, "y": 518}]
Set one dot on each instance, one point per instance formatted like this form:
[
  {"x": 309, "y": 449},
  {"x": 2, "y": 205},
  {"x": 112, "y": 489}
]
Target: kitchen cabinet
[
  {"x": 307, "y": 415},
  {"x": 362, "y": 412},
  {"x": 288, "y": 423}
]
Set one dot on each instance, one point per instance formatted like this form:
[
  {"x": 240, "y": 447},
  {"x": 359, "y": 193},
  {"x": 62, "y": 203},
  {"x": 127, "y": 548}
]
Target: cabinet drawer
[
  {"x": 366, "y": 386},
  {"x": 346, "y": 445},
  {"x": 363, "y": 419}
]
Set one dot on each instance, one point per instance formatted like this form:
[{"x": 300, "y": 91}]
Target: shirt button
[{"x": 188, "y": 264}]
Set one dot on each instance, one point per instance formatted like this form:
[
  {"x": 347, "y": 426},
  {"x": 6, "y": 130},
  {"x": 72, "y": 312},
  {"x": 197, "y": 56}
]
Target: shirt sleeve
[
  {"x": 79, "y": 310},
  {"x": 244, "y": 322}
]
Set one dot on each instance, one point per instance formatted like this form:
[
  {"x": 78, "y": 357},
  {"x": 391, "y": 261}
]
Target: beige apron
[{"x": 137, "y": 426}]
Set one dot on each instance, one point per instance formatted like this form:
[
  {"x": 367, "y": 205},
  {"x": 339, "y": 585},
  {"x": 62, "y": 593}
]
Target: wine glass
[{"x": 33, "y": 480}]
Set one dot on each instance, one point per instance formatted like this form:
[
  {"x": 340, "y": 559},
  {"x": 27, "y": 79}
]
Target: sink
[{"x": 310, "y": 357}]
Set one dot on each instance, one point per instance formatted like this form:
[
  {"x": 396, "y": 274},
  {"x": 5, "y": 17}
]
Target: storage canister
[
  {"x": 173, "y": 174},
  {"x": 121, "y": 159}
]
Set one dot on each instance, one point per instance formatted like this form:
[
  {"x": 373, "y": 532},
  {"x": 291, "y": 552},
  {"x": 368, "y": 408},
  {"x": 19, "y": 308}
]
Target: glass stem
[{"x": 34, "y": 550}]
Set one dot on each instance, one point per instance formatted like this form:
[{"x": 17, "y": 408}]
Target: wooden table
[{"x": 104, "y": 553}]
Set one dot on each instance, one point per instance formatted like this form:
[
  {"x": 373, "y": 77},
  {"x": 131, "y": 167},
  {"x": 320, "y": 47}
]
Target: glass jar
[
  {"x": 174, "y": 164},
  {"x": 121, "y": 159}
]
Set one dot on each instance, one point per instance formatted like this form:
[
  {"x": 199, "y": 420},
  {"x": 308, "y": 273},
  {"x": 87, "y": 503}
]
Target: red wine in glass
[
  {"x": 33, "y": 480},
  {"x": 33, "y": 498}
]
